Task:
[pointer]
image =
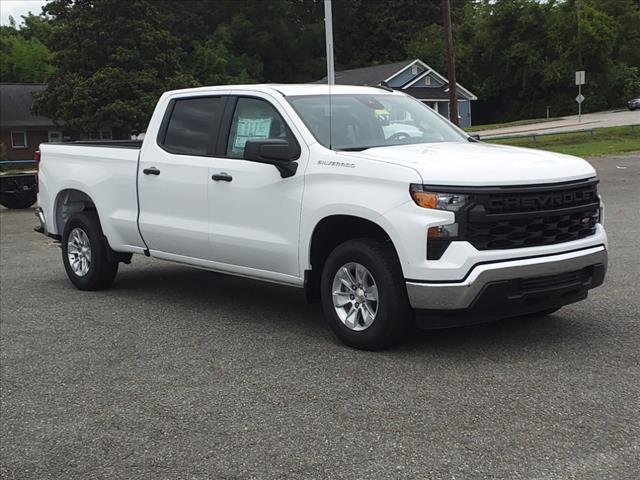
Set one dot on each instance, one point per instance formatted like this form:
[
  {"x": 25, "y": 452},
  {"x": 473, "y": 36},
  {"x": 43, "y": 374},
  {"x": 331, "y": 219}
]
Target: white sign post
[{"x": 580, "y": 98}]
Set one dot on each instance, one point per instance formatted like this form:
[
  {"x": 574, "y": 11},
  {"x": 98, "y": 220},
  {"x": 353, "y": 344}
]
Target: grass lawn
[
  {"x": 598, "y": 142},
  {"x": 517, "y": 123}
]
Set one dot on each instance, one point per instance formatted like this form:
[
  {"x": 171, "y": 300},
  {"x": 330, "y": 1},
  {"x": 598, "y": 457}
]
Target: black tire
[
  {"x": 101, "y": 271},
  {"x": 18, "y": 201},
  {"x": 394, "y": 314}
]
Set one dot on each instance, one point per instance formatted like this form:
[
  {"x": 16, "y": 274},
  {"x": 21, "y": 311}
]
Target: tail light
[{"x": 36, "y": 158}]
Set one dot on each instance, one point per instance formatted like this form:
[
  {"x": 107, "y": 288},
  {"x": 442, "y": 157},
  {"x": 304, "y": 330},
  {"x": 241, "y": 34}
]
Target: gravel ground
[{"x": 182, "y": 373}]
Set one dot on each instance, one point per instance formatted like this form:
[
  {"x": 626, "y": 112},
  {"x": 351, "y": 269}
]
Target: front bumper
[{"x": 515, "y": 287}]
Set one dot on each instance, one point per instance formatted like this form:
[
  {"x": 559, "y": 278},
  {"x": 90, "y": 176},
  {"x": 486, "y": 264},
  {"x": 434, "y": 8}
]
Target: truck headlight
[
  {"x": 438, "y": 200},
  {"x": 439, "y": 237}
]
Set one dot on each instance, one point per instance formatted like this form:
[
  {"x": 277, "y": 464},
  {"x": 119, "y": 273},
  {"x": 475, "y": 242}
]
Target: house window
[
  {"x": 19, "y": 139},
  {"x": 55, "y": 136},
  {"x": 414, "y": 69},
  {"x": 427, "y": 80}
]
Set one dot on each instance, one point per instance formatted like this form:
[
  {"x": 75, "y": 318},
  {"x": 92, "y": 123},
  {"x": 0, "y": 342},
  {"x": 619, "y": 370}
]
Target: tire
[
  {"x": 17, "y": 201},
  {"x": 392, "y": 313},
  {"x": 100, "y": 271}
]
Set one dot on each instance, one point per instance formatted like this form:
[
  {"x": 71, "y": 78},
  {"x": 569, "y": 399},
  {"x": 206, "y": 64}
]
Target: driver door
[{"x": 254, "y": 213}]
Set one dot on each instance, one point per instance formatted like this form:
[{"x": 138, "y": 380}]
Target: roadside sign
[
  {"x": 580, "y": 77},
  {"x": 580, "y": 98}
]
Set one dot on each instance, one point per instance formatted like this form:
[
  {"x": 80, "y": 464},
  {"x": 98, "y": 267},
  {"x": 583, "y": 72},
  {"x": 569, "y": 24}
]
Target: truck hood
[{"x": 481, "y": 164}]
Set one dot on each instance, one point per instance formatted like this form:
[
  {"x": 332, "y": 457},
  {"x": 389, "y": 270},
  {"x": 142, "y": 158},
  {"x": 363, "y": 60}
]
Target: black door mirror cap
[{"x": 274, "y": 151}]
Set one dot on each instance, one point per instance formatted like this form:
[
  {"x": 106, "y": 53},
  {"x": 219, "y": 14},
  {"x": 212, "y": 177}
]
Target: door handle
[
  {"x": 151, "y": 171},
  {"x": 221, "y": 177}
]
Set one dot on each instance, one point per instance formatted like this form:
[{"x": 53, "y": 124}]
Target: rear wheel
[
  {"x": 364, "y": 297},
  {"x": 84, "y": 253}
]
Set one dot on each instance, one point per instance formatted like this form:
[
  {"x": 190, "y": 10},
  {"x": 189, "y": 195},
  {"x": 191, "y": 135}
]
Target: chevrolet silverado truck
[{"x": 367, "y": 199}]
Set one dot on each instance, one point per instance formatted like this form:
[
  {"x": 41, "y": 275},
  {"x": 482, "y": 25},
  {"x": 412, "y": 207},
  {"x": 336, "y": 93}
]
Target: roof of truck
[{"x": 288, "y": 89}]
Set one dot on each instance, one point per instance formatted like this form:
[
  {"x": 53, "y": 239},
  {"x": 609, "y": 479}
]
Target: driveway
[
  {"x": 186, "y": 374},
  {"x": 614, "y": 118}
]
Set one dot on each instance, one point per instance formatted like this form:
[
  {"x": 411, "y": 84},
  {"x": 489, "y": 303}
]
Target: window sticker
[{"x": 249, "y": 128}]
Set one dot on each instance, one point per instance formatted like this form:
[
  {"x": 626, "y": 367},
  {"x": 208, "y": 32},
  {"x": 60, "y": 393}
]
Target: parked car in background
[
  {"x": 17, "y": 184},
  {"x": 634, "y": 103},
  {"x": 372, "y": 220}
]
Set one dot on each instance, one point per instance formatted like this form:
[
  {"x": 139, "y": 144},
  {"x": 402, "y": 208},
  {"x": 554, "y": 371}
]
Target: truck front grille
[
  {"x": 515, "y": 217},
  {"x": 531, "y": 232}
]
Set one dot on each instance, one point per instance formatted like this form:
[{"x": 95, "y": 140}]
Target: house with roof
[
  {"x": 415, "y": 78},
  {"x": 22, "y": 129}
]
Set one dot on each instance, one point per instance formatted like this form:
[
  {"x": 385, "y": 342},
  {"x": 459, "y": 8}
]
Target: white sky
[{"x": 15, "y": 8}]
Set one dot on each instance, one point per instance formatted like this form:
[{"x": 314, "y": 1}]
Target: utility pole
[
  {"x": 451, "y": 63},
  {"x": 579, "y": 23},
  {"x": 328, "y": 34}
]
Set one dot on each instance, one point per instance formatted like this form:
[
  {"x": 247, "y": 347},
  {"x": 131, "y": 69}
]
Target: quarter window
[
  {"x": 19, "y": 139},
  {"x": 192, "y": 125},
  {"x": 255, "y": 119}
]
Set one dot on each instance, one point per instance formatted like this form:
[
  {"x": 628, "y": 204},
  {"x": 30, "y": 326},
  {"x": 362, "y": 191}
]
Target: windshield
[{"x": 359, "y": 122}]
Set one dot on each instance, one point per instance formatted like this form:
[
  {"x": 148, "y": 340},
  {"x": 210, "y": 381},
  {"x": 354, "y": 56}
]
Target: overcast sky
[{"x": 15, "y": 8}]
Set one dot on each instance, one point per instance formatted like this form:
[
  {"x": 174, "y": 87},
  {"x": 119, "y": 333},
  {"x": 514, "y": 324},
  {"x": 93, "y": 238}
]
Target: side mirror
[
  {"x": 475, "y": 137},
  {"x": 274, "y": 151}
]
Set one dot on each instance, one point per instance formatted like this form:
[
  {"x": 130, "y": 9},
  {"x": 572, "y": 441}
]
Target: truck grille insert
[{"x": 527, "y": 218}]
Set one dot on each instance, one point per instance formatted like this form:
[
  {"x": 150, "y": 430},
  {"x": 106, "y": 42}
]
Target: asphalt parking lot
[{"x": 182, "y": 373}]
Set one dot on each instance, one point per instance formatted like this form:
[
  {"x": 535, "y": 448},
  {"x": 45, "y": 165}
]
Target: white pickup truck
[{"x": 364, "y": 197}]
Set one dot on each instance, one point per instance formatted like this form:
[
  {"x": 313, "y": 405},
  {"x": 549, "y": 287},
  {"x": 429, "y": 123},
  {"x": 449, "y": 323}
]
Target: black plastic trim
[{"x": 130, "y": 144}]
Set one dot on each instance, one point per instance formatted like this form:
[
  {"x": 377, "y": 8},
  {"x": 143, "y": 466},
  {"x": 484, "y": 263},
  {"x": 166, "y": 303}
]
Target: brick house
[{"x": 22, "y": 130}]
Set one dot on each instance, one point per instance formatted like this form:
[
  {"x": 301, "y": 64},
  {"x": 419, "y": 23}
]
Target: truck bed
[{"x": 106, "y": 169}]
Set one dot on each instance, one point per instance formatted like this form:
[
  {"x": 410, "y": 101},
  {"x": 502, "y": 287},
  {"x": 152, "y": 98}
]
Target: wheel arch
[
  {"x": 69, "y": 201},
  {"x": 330, "y": 232}
]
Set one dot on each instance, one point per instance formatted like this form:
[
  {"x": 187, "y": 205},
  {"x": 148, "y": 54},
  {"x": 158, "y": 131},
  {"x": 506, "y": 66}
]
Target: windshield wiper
[
  {"x": 359, "y": 149},
  {"x": 352, "y": 149}
]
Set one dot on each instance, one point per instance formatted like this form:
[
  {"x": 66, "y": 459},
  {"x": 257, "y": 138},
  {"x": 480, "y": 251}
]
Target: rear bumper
[
  {"x": 515, "y": 287},
  {"x": 42, "y": 228}
]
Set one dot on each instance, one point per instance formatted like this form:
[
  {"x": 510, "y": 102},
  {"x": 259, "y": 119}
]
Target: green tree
[
  {"x": 113, "y": 59},
  {"x": 24, "y": 58},
  {"x": 213, "y": 63}
]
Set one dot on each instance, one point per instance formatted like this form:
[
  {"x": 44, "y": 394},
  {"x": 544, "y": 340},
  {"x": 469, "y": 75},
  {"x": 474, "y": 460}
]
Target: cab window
[{"x": 255, "y": 118}]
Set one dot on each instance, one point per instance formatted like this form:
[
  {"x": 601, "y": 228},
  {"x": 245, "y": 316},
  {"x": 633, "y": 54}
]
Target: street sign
[
  {"x": 580, "y": 77},
  {"x": 580, "y": 98}
]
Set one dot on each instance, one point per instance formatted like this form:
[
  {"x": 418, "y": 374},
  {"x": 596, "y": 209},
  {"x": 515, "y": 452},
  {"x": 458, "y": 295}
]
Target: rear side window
[{"x": 193, "y": 125}]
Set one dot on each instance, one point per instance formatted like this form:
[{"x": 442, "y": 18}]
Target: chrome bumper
[{"x": 461, "y": 295}]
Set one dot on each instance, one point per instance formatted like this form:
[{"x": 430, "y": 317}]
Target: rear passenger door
[{"x": 173, "y": 178}]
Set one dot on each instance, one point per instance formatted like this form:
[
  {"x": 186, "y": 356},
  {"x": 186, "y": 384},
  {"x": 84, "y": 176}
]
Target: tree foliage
[
  {"x": 24, "y": 57},
  {"x": 112, "y": 58}
]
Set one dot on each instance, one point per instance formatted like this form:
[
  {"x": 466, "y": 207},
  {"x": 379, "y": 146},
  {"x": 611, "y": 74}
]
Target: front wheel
[
  {"x": 364, "y": 297},
  {"x": 84, "y": 253}
]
